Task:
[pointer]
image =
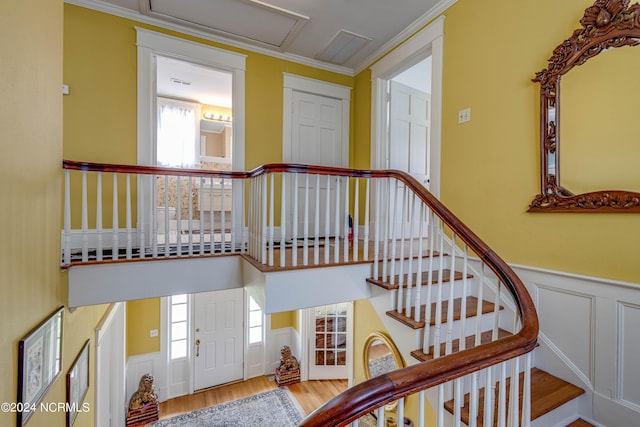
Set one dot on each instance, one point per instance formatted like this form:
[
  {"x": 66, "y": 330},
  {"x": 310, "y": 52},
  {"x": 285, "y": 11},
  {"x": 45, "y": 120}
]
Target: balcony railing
[{"x": 301, "y": 216}]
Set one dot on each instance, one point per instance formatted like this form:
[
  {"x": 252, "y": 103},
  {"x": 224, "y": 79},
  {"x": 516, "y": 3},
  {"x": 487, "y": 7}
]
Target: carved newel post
[{"x": 143, "y": 405}]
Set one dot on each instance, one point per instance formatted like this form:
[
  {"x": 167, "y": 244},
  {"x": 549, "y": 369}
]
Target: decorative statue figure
[
  {"x": 288, "y": 362},
  {"x": 145, "y": 394}
]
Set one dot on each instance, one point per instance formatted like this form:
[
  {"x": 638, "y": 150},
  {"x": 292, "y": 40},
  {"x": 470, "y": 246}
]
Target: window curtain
[{"x": 178, "y": 138}]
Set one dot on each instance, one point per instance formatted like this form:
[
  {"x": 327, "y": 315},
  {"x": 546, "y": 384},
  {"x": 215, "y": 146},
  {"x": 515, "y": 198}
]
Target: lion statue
[
  {"x": 288, "y": 362},
  {"x": 145, "y": 394}
]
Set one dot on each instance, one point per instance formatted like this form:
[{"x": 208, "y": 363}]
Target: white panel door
[
  {"x": 330, "y": 341},
  {"x": 218, "y": 337},
  {"x": 317, "y": 139},
  {"x": 409, "y": 144}
]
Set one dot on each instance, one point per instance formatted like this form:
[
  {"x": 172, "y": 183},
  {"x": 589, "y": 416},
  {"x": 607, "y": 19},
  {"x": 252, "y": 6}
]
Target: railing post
[
  {"x": 67, "y": 218},
  {"x": 85, "y": 225},
  {"x": 115, "y": 247}
]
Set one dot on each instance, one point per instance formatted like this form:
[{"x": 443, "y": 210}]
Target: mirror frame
[
  {"x": 380, "y": 336},
  {"x": 606, "y": 24}
]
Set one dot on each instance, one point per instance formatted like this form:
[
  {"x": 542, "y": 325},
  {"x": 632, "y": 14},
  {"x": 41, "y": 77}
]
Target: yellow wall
[
  {"x": 31, "y": 189},
  {"x": 490, "y": 165},
  {"x": 142, "y": 317},
  {"x": 286, "y": 319}
]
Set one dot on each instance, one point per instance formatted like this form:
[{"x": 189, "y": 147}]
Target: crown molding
[
  {"x": 122, "y": 12},
  {"x": 405, "y": 34}
]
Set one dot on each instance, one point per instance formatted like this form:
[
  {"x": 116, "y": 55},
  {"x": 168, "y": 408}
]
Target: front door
[
  {"x": 330, "y": 341},
  {"x": 218, "y": 337}
]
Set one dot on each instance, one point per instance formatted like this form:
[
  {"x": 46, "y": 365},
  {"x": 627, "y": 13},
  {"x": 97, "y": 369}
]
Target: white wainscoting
[
  {"x": 276, "y": 339},
  {"x": 590, "y": 336},
  {"x": 150, "y": 363}
]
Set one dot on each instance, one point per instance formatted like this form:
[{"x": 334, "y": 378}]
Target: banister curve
[{"x": 371, "y": 394}]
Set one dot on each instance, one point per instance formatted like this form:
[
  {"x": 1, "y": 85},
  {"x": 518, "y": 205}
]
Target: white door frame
[
  {"x": 317, "y": 87},
  {"x": 428, "y": 41},
  {"x": 150, "y": 45}
]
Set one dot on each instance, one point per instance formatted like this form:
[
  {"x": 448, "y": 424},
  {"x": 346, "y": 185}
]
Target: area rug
[{"x": 277, "y": 408}]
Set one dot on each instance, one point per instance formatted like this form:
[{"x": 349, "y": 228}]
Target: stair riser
[{"x": 486, "y": 324}]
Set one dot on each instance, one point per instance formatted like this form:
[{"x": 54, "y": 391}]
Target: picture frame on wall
[
  {"x": 77, "y": 383},
  {"x": 39, "y": 364}
]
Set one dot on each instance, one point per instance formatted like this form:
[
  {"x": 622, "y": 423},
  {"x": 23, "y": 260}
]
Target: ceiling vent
[
  {"x": 245, "y": 20},
  {"x": 342, "y": 46}
]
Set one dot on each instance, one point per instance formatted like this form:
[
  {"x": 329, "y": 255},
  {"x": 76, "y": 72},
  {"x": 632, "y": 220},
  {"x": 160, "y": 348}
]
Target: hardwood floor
[{"x": 309, "y": 394}]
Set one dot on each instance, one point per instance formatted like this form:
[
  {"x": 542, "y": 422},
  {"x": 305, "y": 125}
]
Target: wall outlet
[
  {"x": 464, "y": 115},
  {"x": 153, "y": 333}
]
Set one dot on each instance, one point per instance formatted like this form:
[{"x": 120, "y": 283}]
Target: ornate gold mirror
[
  {"x": 605, "y": 25},
  {"x": 381, "y": 356}
]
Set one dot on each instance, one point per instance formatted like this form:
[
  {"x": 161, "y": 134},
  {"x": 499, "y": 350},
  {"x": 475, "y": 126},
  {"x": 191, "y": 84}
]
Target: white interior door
[
  {"x": 218, "y": 337},
  {"x": 330, "y": 343},
  {"x": 317, "y": 138},
  {"x": 409, "y": 150}
]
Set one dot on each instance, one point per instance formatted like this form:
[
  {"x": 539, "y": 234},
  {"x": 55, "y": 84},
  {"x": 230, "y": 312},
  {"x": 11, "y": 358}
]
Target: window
[
  {"x": 178, "y": 321},
  {"x": 178, "y": 133},
  {"x": 255, "y": 322}
]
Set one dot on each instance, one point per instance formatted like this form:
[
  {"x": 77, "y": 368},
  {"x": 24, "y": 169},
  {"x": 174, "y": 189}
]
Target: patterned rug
[{"x": 277, "y": 408}]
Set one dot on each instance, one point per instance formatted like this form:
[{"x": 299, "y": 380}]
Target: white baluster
[
  {"x": 272, "y": 224},
  {"x": 440, "y": 415},
  {"x": 452, "y": 278},
  {"x": 305, "y": 230},
  {"x": 179, "y": 216},
  {"x": 514, "y": 398},
  {"x": 201, "y": 191},
  {"x": 367, "y": 224},
  {"x": 473, "y": 400},
  {"x": 114, "y": 212},
  {"x": 427, "y": 315},
  {"x": 295, "y": 225},
  {"x": 67, "y": 217},
  {"x": 223, "y": 216},
  {"x": 526, "y": 392},
  {"x": 457, "y": 401},
  {"x": 85, "y": 221},
  {"x": 376, "y": 232},
  {"x": 489, "y": 397},
  {"x": 438, "y": 316},
  {"x": 356, "y": 218},
  {"x": 327, "y": 223},
  {"x": 401, "y": 278},
  {"x": 316, "y": 224},
  {"x": 421, "y": 398},
  {"x": 392, "y": 225},
  {"x": 336, "y": 254},
  {"x": 496, "y": 312},
  {"x": 190, "y": 217},
  {"x": 410, "y": 279},
  {"x": 502, "y": 396},
  {"x": 283, "y": 219},
  {"x": 167, "y": 233},
  {"x": 234, "y": 214},
  {"x": 263, "y": 243},
  {"x": 99, "y": 228},
  {"x": 128, "y": 216},
  {"x": 345, "y": 249},
  {"x": 418, "y": 295},
  {"x": 387, "y": 219},
  {"x": 400, "y": 409},
  {"x": 478, "y": 318},
  {"x": 463, "y": 307},
  {"x": 212, "y": 229},
  {"x": 252, "y": 221},
  {"x": 381, "y": 422},
  {"x": 142, "y": 242}
]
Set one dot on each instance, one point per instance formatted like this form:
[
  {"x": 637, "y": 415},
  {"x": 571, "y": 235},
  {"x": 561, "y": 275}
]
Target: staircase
[{"x": 551, "y": 397}]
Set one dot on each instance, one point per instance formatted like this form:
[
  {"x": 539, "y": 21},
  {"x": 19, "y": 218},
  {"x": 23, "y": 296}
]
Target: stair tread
[
  {"x": 547, "y": 393},
  {"x": 471, "y": 311},
  {"x": 446, "y": 276},
  {"x": 485, "y": 337},
  {"x": 580, "y": 423}
]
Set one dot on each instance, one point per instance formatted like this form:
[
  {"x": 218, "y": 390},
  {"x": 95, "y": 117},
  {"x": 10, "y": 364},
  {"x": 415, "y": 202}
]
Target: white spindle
[
  {"x": 263, "y": 214},
  {"x": 496, "y": 312},
  {"x": 452, "y": 279},
  {"x": 114, "y": 211},
  {"x": 316, "y": 225},
  {"x": 478, "y": 318},
  {"x": 385, "y": 238},
  {"x": 392, "y": 225},
  {"x": 327, "y": 222},
  {"x": 99, "y": 228},
  {"x": 473, "y": 400},
  {"x": 421, "y": 398},
  {"x": 401, "y": 277},
  {"x": 305, "y": 231},
  {"x": 381, "y": 421},
  {"x": 418, "y": 295},
  {"x": 457, "y": 401},
  {"x": 234, "y": 217},
  {"x": 154, "y": 216},
  {"x": 142, "y": 242},
  {"x": 85, "y": 221},
  {"x": 295, "y": 226},
  {"x": 283, "y": 219},
  {"x": 489, "y": 397},
  {"x": 463, "y": 307},
  {"x": 427, "y": 315},
  {"x": 367, "y": 224},
  {"x": 252, "y": 221},
  {"x": 336, "y": 253},
  {"x": 201, "y": 191},
  {"x": 67, "y": 217},
  {"x": 356, "y": 218},
  {"x": 514, "y": 398},
  {"x": 345, "y": 249},
  {"x": 212, "y": 228},
  {"x": 440, "y": 415},
  {"x": 438, "y": 317},
  {"x": 410, "y": 279},
  {"x": 400, "y": 409},
  {"x": 128, "y": 216},
  {"x": 502, "y": 396},
  {"x": 178, "y": 216},
  {"x": 190, "y": 217},
  {"x": 526, "y": 392},
  {"x": 223, "y": 214},
  {"x": 272, "y": 222}
]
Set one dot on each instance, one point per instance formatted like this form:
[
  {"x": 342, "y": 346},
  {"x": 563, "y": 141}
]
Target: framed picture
[
  {"x": 77, "y": 384},
  {"x": 39, "y": 364}
]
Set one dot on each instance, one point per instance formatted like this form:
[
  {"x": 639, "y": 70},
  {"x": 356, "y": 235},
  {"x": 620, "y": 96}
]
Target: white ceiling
[{"x": 303, "y": 28}]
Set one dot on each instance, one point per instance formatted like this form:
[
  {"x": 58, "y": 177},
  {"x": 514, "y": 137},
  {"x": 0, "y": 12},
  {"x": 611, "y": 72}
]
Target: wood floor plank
[
  {"x": 580, "y": 423},
  {"x": 309, "y": 394}
]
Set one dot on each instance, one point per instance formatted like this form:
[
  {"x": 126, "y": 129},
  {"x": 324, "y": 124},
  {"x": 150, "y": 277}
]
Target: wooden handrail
[{"x": 378, "y": 391}]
